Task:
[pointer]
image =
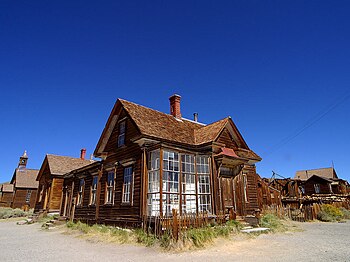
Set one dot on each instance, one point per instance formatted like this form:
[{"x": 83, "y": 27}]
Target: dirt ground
[{"x": 317, "y": 242}]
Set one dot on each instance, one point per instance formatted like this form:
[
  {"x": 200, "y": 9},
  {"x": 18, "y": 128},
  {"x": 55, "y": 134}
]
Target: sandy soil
[{"x": 318, "y": 242}]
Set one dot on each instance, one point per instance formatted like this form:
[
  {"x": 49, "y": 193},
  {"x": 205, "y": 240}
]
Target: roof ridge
[
  {"x": 123, "y": 100},
  {"x": 69, "y": 157},
  {"x": 315, "y": 169}
]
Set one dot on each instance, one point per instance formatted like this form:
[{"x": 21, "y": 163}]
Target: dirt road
[{"x": 318, "y": 242}]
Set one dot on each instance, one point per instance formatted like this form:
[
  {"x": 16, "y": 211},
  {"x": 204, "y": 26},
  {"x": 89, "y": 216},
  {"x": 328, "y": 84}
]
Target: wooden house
[
  {"x": 154, "y": 163},
  {"x": 6, "y": 195},
  {"x": 50, "y": 179},
  {"x": 317, "y": 185},
  {"x": 326, "y": 180},
  {"x": 24, "y": 185}
]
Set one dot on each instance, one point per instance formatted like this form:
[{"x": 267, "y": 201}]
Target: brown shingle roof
[
  {"x": 208, "y": 133},
  {"x": 26, "y": 178},
  {"x": 157, "y": 124},
  {"x": 328, "y": 172},
  {"x": 7, "y": 187},
  {"x": 161, "y": 126},
  {"x": 60, "y": 165}
]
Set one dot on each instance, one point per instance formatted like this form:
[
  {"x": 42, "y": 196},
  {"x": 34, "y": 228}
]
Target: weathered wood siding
[
  {"x": 118, "y": 213},
  {"x": 44, "y": 184},
  {"x": 310, "y": 186},
  {"x": 55, "y": 194},
  {"x": 19, "y": 199},
  {"x": 6, "y": 199},
  {"x": 226, "y": 139},
  {"x": 246, "y": 195}
]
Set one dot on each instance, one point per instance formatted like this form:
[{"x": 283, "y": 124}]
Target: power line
[{"x": 308, "y": 124}]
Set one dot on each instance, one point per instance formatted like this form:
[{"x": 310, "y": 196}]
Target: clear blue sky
[{"x": 273, "y": 66}]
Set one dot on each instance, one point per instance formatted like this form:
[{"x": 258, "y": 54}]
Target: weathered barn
[
  {"x": 50, "y": 179},
  {"x": 154, "y": 163},
  {"x": 6, "y": 195},
  {"x": 24, "y": 184}
]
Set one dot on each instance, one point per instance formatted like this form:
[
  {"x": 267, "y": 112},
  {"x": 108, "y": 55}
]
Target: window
[
  {"x": 193, "y": 178},
  {"x": 170, "y": 182},
  {"x": 127, "y": 185},
  {"x": 80, "y": 192},
  {"x": 317, "y": 188},
  {"x": 41, "y": 192},
  {"x": 153, "y": 196},
  {"x": 121, "y": 136},
  {"x": 203, "y": 172},
  {"x": 28, "y": 195},
  {"x": 93, "y": 190},
  {"x": 110, "y": 187},
  {"x": 188, "y": 184},
  {"x": 245, "y": 185}
]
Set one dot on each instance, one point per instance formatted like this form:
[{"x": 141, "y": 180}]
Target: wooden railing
[{"x": 175, "y": 224}]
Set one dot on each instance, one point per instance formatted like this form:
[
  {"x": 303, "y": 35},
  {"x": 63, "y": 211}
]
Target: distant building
[
  {"x": 6, "y": 194},
  {"x": 50, "y": 179},
  {"x": 24, "y": 184},
  {"x": 321, "y": 181}
]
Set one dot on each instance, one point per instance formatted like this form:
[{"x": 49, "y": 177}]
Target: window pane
[
  {"x": 188, "y": 204},
  {"x": 204, "y": 203},
  {"x": 153, "y": 204},
  {"x": 170, "y": 202}
]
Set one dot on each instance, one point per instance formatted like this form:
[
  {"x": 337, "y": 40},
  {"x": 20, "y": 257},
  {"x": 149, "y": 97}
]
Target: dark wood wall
[
  {"x": 310, "y": 186},
  {"x": 19, "y": 199},
  {"x": 117, "y": 213},
  {"x": 6, "y": 199}
]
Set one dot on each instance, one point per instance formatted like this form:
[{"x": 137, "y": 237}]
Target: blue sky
[{"x": 273, "y": 66}]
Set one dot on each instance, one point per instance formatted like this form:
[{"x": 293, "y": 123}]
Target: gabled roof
[
  {"x": 328, "y": 172},
  {"x": 25, "y": 178},
  {"x": 320, "y": 177},
  {"x": 160, "y": 126},
  {"x": 60, "y": 165}
]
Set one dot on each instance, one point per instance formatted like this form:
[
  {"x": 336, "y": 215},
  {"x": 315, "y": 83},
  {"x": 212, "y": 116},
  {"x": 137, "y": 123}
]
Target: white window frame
[
  {"x": 93, "y": 190},
  {"x": 81, "y": 191},
  {"x": 128, "y": 185},
  {"x": 28, "y": 195},
  {"x": 317, "y": 188},
  {"x": 188, "y": 184},
  {"x": 109, "y": 199},
  {"x": 203, "y": 174}
]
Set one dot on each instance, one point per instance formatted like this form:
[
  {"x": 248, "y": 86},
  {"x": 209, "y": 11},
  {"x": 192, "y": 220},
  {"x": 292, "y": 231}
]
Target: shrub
[
  {"x": 345, "y": 212},
  {"x": 330, "y": 213},
  {"x": 144, "y": 238},
  {"x": 273, "y": 222},
  {"x": 8, "y": 212}
]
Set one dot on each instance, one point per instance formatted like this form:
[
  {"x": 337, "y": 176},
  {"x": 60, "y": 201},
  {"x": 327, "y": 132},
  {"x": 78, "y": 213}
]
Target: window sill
[
  {"x": 92, "y": 205},
  {"x": 108, "y": 204},
  {"x": 126, "y": 204}
]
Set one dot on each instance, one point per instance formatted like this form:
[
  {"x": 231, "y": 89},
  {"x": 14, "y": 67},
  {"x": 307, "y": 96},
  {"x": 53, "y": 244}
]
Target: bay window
[
  {"x": 188, "y": 186},
  {"x": 203, "y": 172}
]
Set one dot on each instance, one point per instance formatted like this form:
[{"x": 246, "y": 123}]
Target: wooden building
[
  {"x": 6, "y": 194},
  {"x": 24, "y": 185},
  {"x": 50, "y": 179},
  {"x": 330, "y": 184},
  {"x": 154, "y": 163}
]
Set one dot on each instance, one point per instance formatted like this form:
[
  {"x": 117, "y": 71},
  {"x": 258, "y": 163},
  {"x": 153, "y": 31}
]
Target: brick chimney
[
  {"x": 82, "y": 153},
  {"x": 175, "y": 106}
]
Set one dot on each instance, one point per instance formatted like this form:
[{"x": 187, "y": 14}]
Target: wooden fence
[{"x": 306, "y": 212}]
